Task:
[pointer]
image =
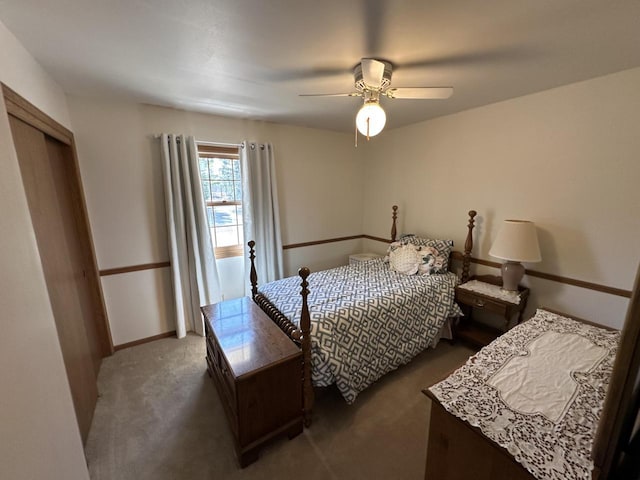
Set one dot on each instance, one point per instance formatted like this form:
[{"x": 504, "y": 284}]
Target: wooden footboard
[{"x": 301, "y": 336}]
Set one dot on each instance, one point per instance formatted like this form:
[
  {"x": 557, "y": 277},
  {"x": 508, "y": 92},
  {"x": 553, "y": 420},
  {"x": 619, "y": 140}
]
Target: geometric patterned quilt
[{"x": 365, "y": 319}]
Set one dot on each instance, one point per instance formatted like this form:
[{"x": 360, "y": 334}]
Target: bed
[
  {"x": 553, "y": 398},
  {"x": 357, "y": 322}
]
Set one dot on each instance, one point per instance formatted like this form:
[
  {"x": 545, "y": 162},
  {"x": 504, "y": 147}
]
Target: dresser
[{"x": 257, "y": 371}]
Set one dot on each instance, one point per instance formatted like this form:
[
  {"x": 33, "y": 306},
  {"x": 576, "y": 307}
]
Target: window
[{"x": 222, "y": 190}]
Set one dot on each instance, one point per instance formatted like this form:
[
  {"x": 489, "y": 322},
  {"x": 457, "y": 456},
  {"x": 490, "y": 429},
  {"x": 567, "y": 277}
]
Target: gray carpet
[{"x": 158, "y": 417}]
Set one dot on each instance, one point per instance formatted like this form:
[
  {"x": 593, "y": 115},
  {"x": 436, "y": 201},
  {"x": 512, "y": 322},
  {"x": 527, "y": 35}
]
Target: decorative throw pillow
[
  {"x": 405, "y": 259},
  {"x": 443, "y": 247},
  {"x": 430, "y": 261}
]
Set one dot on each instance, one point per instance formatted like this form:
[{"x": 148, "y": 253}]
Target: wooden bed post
[
  {"x": 305, "y": 327},
  {"x": 253, "y": 276},
  {"x": 394, "y": 216},
  {"x": 468, "y": 246}
]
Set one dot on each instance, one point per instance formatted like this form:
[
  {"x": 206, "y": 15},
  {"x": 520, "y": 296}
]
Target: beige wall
[
  {"x": 565, "y": 158},
  {"x": 39, "y": 434},
  {"x": 320, "y": 193}
]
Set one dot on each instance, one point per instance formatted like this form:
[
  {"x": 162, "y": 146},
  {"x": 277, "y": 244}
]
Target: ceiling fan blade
[
  {"x": 468, "y": 59},
  {"x": 420, "y": 92},
  {"x": 372, "y": 71},
  {"x": 307, "y": 73},
  {"x": 352, "y": 94}
]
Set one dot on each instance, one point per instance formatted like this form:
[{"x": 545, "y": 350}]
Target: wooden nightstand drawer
[
  {"x": 483, "y": 294},
  {"x": 480, "y": 302}
]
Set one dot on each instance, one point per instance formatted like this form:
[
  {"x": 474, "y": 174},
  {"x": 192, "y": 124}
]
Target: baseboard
[{"x": 144, "y": 340}]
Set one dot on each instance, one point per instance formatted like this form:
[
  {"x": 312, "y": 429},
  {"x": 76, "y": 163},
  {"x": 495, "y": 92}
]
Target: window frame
[{"x": 231, "y": 153}]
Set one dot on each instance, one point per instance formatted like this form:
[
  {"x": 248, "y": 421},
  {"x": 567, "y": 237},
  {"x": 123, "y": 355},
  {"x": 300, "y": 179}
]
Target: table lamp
[{"x": 516, "y": 242}]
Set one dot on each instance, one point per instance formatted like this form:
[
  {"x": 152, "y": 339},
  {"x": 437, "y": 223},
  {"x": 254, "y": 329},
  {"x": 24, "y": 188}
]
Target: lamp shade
[
  {"x": 370, "y": 119},
  {"x": 517, "y": 241}
]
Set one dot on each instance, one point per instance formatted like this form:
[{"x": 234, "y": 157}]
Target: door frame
[{"x": 20, "y": 108}]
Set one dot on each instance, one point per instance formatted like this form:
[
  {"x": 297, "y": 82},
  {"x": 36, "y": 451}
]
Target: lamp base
[{"x": 512, "y": 273}]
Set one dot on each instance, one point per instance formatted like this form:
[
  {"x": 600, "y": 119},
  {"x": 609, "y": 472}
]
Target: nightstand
[
  {"x": 362, "y": 257},
  {"x": 484, "y": 293}
]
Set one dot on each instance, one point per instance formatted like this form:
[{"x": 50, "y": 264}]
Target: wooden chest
[{"x": 257, "y": 371}]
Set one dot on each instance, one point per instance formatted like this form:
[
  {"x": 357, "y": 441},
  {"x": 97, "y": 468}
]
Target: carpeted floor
[{"x": 159, "y": 417}]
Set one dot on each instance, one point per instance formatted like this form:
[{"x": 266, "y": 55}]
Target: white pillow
[{"x": 405, "y": 259}]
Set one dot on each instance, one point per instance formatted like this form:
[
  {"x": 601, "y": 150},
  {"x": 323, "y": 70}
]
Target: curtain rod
[
  {"x": 219, "y": 144},
  {"x": 213, "y": 144}
]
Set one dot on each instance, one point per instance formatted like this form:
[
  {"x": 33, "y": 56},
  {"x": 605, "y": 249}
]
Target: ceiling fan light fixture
[{"x": 371, "y": 119}]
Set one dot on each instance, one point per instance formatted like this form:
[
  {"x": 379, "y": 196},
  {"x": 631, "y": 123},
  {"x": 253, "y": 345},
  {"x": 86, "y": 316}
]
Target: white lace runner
[
  {"x": 550, "y": 445},
  {"x": 490, "y": 290}
]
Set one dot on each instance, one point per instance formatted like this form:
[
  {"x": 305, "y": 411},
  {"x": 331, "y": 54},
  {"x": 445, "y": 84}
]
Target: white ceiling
[{"x": 251, "y": 58}]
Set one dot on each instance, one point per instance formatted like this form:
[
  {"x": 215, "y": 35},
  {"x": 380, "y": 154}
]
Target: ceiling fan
[{"x": 373, "y": 80}]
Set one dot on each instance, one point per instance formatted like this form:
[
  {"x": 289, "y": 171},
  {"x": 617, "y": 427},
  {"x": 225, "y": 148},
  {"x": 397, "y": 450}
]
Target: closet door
[{"x": 54, "y": 198}]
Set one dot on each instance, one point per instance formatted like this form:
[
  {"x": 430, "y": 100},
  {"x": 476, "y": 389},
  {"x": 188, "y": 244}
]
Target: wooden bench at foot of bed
[{"x": 256, "y": 370}]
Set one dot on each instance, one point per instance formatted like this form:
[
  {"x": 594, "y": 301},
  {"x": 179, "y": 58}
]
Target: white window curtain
[
  {"x": 261, "y": 213},
  {"x": 194, "y": 273}
]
